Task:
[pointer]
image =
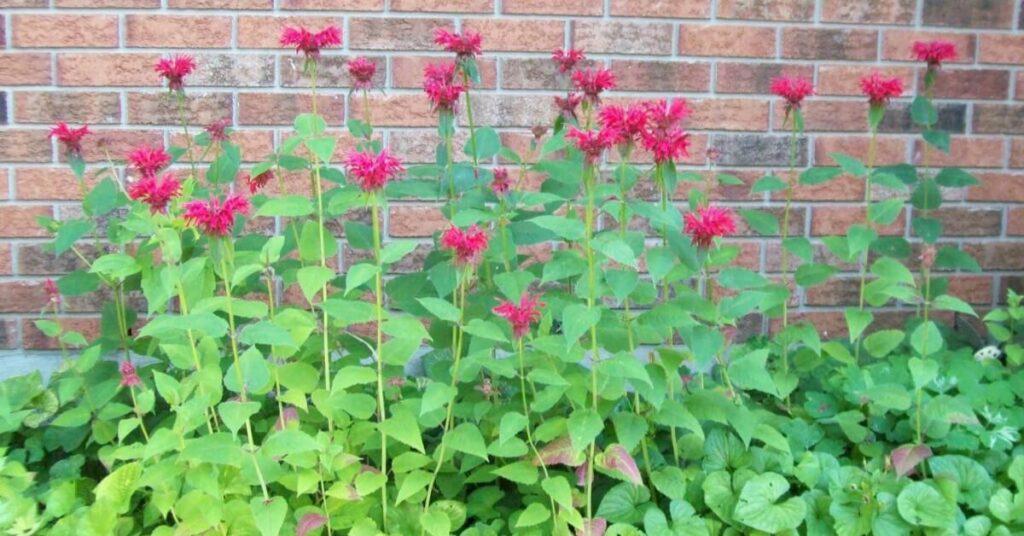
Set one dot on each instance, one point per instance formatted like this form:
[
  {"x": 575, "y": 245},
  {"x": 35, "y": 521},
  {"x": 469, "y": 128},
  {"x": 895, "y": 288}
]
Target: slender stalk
[
  {"x": 784, "y": 276},
  {"x": 503, "y": 233},
  {"x": 366, "y": 113},
  {"x": 526, "y": 413},
  {"x": 183, "y": 304},
  {"x": 872, "y": 144},
  {"x": 379, "y": 302},
  {"x": 590, "y": 184},
  {"x": 450, "y": 171},
  {"x": 183, "y": 117},
  {"x": 469, "y": 118},
  {"x": 919, "y": 394}
]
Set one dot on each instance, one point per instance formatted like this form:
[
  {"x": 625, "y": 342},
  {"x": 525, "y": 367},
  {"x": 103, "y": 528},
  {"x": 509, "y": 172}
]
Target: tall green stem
[
  {"x": 791, "y": 179},
  {"x": 590, "y": 184},
  {"x": 183, "y": 117},
  {"x": 378, "y": 295},
  {"x": 469, "y": 118},
  {"x": 872, "y": 143}
]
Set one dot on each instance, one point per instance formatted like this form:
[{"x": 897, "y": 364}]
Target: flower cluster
[
  {"x": 464, "y": 45},
  {"x": 567, "y": 59},
  {"x": 218, "y": 130},
  {"x": 501, "y": 183},
  {"x": 664, "y": 136},
  {"x": 175, "y": 69},
  {"x": 593, "y": 82},
  {"x": 934, "y": 52},
  {"x": 567, "y": 105},
  {"x": 308, "y": 43},
  {"x": 625, "y": 124},
  {"x": 157, "y": 192},
  {"x": 440, "y": 86},
  {"x": 793, "y": 89},
  {"x": 466, "y": 245},
  {"x": 214, "y": 218},
  {"x": 69, "y": 137},
  {"x": 148, "y": 160},
  {"x": 592, "y": 143},
  {"x": 372, "y": 171},
  {"x": 707, "y": 224},
  {"x": 521, "y": 315},
  {"x": 129, "y": 376},
  {"x": 362, "y": 70},
  {"x": 879, "y": 89}
]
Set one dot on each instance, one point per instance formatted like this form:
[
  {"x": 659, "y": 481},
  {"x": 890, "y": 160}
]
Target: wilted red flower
[
  {"x": 567, "y": 105},
  {"x": 129, "y": 377},
  {"x": 501, "y": 182},
  {"x": 465, "y": 45},
  {"x": 567, "y": 59},
  {"x": 879, "y": 89},
  {"x": 70, "y": 138},
  {"x": 714, "y": 154},
  {"x": 934, "y": 52},
  {"x": 793, "y": 89},
  {"x": 372, "y": 171},
  {"x": 467, "y": 245},
  {"x": 627, "y": 122},
  {"x": 213, "y": 217},
  {"x": 362, "y": 70},
  {"x": 148, "y": 160},
  {"x": 257, "y": 182},
  {"x": 310, "y": 43},
  {"x": 707, "y": 224},
  {"x": 520, "y": 315},
  {"x": 440, "y": 87},
  {"x": 175, "y": 69},
  {"x": 157, "y": 192},
  {"x": 592, "y": 143},
  {"x": 592, "y": 82},
  {"x": 52, "y": 292},
  {"x": 218, "y": 129}
]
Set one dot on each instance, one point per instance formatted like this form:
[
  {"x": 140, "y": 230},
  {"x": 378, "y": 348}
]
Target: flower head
[
  {"x": 175, "y": 69},
  {"x": 707, "y": 224},
  {"x": 310, "y": 43},
  {"x": 372, "y": 171},
  {"x": 148, "y": 160},
  {"x": 464, "y": 45},
  {"x": 934, "y": 52},
  {"x": 52, "y": 292},
  {"x": 362, "y": 70},
  {"x": 213, "y": 217},
  {"x": 466, "y": 245},
  {"x": 501, "y": 183},
  {"x": 567, "y": 105},
  {"x": 879, "y": 89},
  {"x": 663, "y": 116},
  {"x": 520, "y": 315},
  {"x": 592, "y": 82},
  {"x": 592, "y": 143},
  {"x": 70, "y": 138},
  {"x": 157, "y": 192},
  {"x": 129, "y": 377},
  {"x": 626, "y": 122},
  {"x": 440, "y": 87},
  {"x": 794, "y": 90},
  {"x": 218, "y": 129},
  {"x": 670, "y": 145},
  {"x": 567, "y": 59},
  {"x": 258, "y": 182}
]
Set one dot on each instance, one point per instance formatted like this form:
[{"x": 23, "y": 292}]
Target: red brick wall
[{"x": 91, "y": 61}]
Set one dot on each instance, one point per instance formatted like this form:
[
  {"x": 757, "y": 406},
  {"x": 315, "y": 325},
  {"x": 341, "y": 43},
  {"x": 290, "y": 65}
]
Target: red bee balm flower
[
  {"x": 155, "y": 192},
  {"x": 52, "y": 292},
  {"x": 362, "y": 70},
  {"x": 465, "y": 45},
  {"x": 707, "y": 224},
  {"x": 372, "y": 171},
  {"x": 148, "y": 160},
  {"x": 670, "y": 145},
  {"x": 310, "y": 43},
  {"x": 129, "y": 377},
  {"x": 218, "y": 129},
  {"x": 663, "y": 116},
  {"x": 592, "y": 82},
  {"x": 567, "y": 105},
  {"x": 213, "y": 217},
  {"x": 70, "y": 138},
  {"x": 258, "y": 182},
  {"x": 466, "y": 245},
  {"x": 934, "y": 52},
  {"x": 592, "y": 143},
  {"x": 879, "y": 89},
  {"x": 567, "y": 59},
  {"x": 794, "y": 90},
  {"x": 627, "y": 122},
  {"x": 501, "y": 183},
  {"x": 521, "y": 316},
  {"x": 440, "y": 87},
  {"x": 175, "y": 69}
]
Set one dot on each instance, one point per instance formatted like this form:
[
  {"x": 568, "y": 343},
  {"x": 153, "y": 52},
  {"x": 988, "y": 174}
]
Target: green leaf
[
  {"x": 535, "y": 514},
  {"x": 488, "y": 143},
  {"x": 882, "y": 343},
  {"x": 402, "y": 426},
  {"x": 485, "y": 329},
  {"x": 358, "y": 275},
  {"x": 116, "y": 266},
  {"x": 926, "y": 339},
  {"x": 70, "y": 232},
  {"x": 741, "y": 278},
  {"x": 938, "y": 139},
  {"x": 818, "y": 175},
  {"x": 929, "y": 229},
  {"x": 952, "y": 177},
  {"x": 442, "y": 309},
  {"x": 893, "y": 271},
  {"x": 922, "y": 112},
  {"x": 322, "y": 147},
  {"x": 751, "y": 372},
  {"x": 809, "y": 275},
  {"x": 511, "y": 424},
  {"x": 269, "y": 515},
  {"x": 264, "y": 332},
  {"x": 757, "y": 506},
  {"x": 435, "y": 523},
  {"x": 397, "y": 250},
  {"x": 584, "y": 427},
  {"x": 557, "y": 487},
  {"x": 234, "y": 413},
  {"x": 885, "y": 212},
  {"x": 287, "y": 442},
  {"x": 313, "y": 279},
  {"x": 436, "y": 396},
  {"x": 800, "y": 247},
  {"x": 307, "y": 124},
  {"x": 947, "y": 302},
  {"x": 576, "y": 320},
  {"x": 768, "y": 183},
  {"x": 117, "y": 488},
  {"x": 922, "y": 506},
  {"x": 255, "y": 372},
  {"x": 857, "y": 321},
  {"x": 521, "y": 472},
  {"x": 467, "y": 438},
  {"x": 926, "y": 196},
  {"x": 617, "y": 250},
  {"x": 289, "y": 206},
  {"x": 950, "y": 257},
  {"x": 78, "y": 283},
  {"x": 413, "y": 483},
  {"x": 220, "y": 448},
  {"x": 103, "y": 198},
  {"x": 224, "y": 168},
  {"x": 850, "y": 165},
  {"x": 565, "y": 228},
  {"x": 974, "y": 484},
  {"x": 705, "y": 343},
  {"x": 763, "y": 223},
  {"x": 621, "y": 504},
  {"x": 923, "y": 371}
]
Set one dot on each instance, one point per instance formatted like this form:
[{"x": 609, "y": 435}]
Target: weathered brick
[
  {"x": 835, "y": 291},
  {"x": 979, "y": 84},
  {"x": 33, "y": 339},
  {"x": 24, "y": 68},
  {"x": 997, "y": 255},
  {"x": 997, "y": 187},
  {"x": 675, "y": 9},
  {"x": 228, "y": 5},
  {"x": 258, "y": 31},
  {"x": 730, "y": 114},
  {"x": 332, "y": 72},
  {"x": 1017, "y": 153},
  {"x": 415, "y": 221},
  {"x": 98, "y": 4},
  {"x": 830, "y": 116},
  {"x": 829, "y": 44},
  {"x": 835, "y": 220},
  {"x": 842, "y": 188},
  {"x": 1020, "y": 86},
  {"x": 972, "y": 289},
  {"x": 189, "y": 31},
  {"x": 420, "y": 146},
  {"x": 757, "y": 149},
  {"x": 977, "y": 14},
  {"x": 401, "y": 111},
  {"x": 6, "y": 266},
  {"x": 162, "y": 108},
  {"x": 36, "y": 259},
  {"x": 888, "y": 150},
  {"x": 20, "y": 220},
  {"x": 234, "y": 70},
  {"x": 729, "y": 41},
  {"x": 25, "y": 145},
  {"x": 969, "y": 221},
  {"x": 19, "y": 4},
  {"x": 845, "y": 79},
  {"x": 575, "y": 8},
  {"x": 47, "y": 184},
  {"x": 22, "y": 296},
  {"x": 789, "y": 10},
  {"x": 5, "y": 191},
  {"x": 952, "y": 118},
  {"x": 967, "y": 152},
  {"x": 281, "y": 108},
  {"x": 623, "y": 37},
  {"x": 869, "y": 11},
  {"x": 999, "y": 118},
  {"x": 526, "y": 73},
  {"x": 510, "y": 111},
  {"x": 448, "y": 6},
  {"x": 48, "y": 107},
  {"x": 519, "y": 35},
  {"x": 107, "y": 69},
  {"x": 59, "y": 31},
  {"x": 755, "y": 77},
  {"x": 394, "y": 33},
  {"x": 118, "y": 143},
  {"x": 897, "y": 45},
  {"x": 407, "y": 71},
  {"x": 661, "y": 76},
  {"x": 1015, "y": 222},
  {"x": 3, "y": 107}
]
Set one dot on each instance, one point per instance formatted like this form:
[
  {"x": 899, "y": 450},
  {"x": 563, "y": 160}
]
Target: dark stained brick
[
  {"x": 3, "y": 108},
  {"x": 952, "y": 118},
  {"x": 969, "y": 13},
  {"x": 758, "y": 150}
]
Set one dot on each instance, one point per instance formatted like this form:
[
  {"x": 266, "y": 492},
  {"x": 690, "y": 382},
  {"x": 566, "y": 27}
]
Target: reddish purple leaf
[
  {"x": 559, "y": 452},
  {"x": 581, "y": 475},
  {"x": 906, "y": 458},
  {"x": 593, "y": 527},
  {"x": 619, "y": 461},
  {"x": 309, "y": 523}
]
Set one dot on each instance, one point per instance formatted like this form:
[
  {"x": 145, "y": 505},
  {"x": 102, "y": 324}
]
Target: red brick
[
  {"x": 98, "y": 4},
  {"x": 6, "y": 267},
  {"x": 959, "y": 14},
  {"x": 972, "y": 289},
  {"x": 792, "y": 10},
  {"x": 510, "y": 111},
  {"x": 255, "y": 144},
  {"x": 997, "y": 187},
  {"x": 24, "y": 68},
  {"x": 755, "y": 77},
  {"x": 999, "y": 118},
  {"x": 519, "y": 35},
  {"x": 835, "y": 220},
  {"x": 797, "y": 217},
  {"x": 256, "y": 31},
  {"x": 969, "y": 221},
  {"x": 188, "y": 31},
  {"x": 447, "y": 6},
  {"x": 622, "y": 37},
  {"x": 281, "y": 108},
  {"x": 5, "y": 192},
  {"x": 332, "y": 72},
  {"x": 868, "y": 12},
  {"x": 575, "y": 8},
  {"x": 107, "y": 69},
  {"x": 334, "y": 5},
  {"x": 400, "y": 111},
  {"x": 1017, "y": 153},
  {"x": 162, "y": 108},
  {"x": 831, "y": 116},
  {"x": 968, "y": 152},
  {"x": 16, "y": 4},
  {"x": 420, "y": 145},
  {"x": 521, "y": 73},
  {"x": 1020, "y": 86},
  {"x": 229, "y": 5},
  {"x": 897, "y": 45},
  {"x": 46, "y": 184},
  {"x": 662, "y": 76},
  {"x": 407, "y": 71},
  {"x": 845, "y": 79},
  {"x": 48, "y": 107},
  {"x": 415, "y": 221},
  {"x": 729, "y": 41},
  {"x": 25, "y": 146},
  {"x": 972, "y": 84},
  {"x": 118, "y": 143},
  {"x": 20, "y": 220},
  {"x": 1015, "y": 222},
  {"x": 674, "y": 9},
  {"x": 842, "y": 188},
  {"x": 834, "y": 292},
  {"x": 888, "y": 150},
  {"x": 22, "y": 296},
  {"x": 999, "y": 48},
  {"x": 394, "y": 33},
  {"x": 829, "y": 44},
  {"x": 59, "y": 31},
  {"x": 997, "y": 255},
  {"x": 730, "y": 114},
  {"x": 33, "y": 339}
]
